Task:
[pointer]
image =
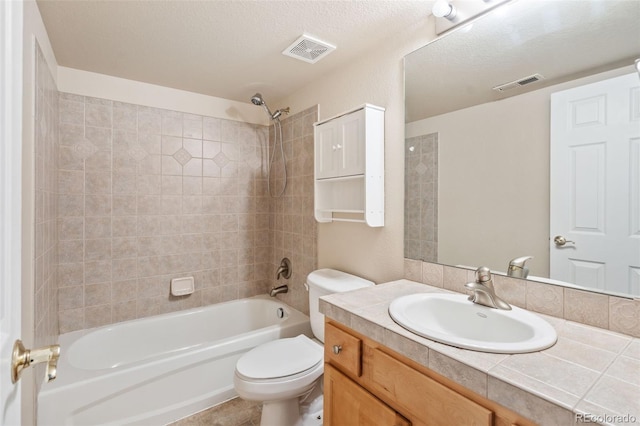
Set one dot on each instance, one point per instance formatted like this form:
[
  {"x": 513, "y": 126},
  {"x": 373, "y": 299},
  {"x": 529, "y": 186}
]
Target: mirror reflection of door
[{"x": 595, "y": 185}]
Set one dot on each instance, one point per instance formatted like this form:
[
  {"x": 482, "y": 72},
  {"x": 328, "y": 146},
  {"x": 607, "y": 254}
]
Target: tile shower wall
[
  {"x": 46, "y": 188},
  {"x": 147, "y": 195},
  {"x": 292, "y": 222},
  {"x": 421, "y": 197}
]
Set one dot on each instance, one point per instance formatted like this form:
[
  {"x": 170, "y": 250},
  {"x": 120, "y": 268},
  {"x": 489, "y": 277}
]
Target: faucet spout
[
  {"x": 483, "y": 291},
  {"x": 277, "y": 290},
  {"x": 516, "y": 267}
]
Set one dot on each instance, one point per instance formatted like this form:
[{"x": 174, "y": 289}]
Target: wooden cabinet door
[
  {"x": 348, "y": 404},
  {"x": 426, "y": 400}
]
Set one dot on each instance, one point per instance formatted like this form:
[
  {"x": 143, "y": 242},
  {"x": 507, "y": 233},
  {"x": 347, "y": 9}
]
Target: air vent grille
[
  {"x": 519, "y": 83},
  {"x": 308, "y": 49}
]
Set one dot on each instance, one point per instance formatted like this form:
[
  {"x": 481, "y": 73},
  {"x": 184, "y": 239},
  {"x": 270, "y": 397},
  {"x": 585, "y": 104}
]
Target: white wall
[
  {"x": 377, "y": 77},
  {"x": 494, "y": 179},
  {"x": 102, "y": 86}
]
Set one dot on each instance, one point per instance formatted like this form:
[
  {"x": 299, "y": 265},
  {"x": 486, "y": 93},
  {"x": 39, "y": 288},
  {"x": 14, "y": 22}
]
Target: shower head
[{"x": 257, "y": 99}]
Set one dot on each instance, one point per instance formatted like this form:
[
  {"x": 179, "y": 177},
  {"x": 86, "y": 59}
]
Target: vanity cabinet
[
  {"x": 361, "y": 374},
  {"x": 349, "y": 167},
  {"x": 347, "y": 403}
]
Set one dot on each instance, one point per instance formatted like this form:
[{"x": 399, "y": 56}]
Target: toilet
[{"x": 287, "y": 372}]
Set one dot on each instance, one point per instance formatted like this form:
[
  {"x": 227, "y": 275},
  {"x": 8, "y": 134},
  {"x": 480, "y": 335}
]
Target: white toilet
[{"x": 285, "y": 372}]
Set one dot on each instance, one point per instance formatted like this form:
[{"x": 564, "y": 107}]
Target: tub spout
[{"x": 278, "y": 290}]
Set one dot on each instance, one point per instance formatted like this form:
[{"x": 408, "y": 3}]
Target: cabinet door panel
[
  {"x": 352, "y": 144},
  {"x": 431, "y": 402},
  {"x": 327, "y": 161},
  {"x": 348, "y": 404}
]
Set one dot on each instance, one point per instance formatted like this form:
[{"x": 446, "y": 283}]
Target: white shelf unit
[{"x": 349, "y": 167}]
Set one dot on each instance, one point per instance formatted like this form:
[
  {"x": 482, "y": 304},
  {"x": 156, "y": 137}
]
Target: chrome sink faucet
[{"x": 483, "y": 291}]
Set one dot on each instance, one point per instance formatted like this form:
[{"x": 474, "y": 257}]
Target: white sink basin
[{"x": 454, "y": 320}]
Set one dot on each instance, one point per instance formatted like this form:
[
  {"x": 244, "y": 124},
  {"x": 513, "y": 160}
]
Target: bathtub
[{"x": 156, "y": 370}]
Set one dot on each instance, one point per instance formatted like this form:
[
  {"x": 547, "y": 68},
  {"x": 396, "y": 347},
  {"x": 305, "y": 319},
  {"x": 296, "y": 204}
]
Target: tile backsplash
[
  {"x": 614, "y": 313},
  {"x": 146, "y": 195}
]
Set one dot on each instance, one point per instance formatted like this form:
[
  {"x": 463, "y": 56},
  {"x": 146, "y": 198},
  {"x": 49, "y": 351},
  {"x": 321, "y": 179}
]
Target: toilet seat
[{"x": 278, "y": 359}]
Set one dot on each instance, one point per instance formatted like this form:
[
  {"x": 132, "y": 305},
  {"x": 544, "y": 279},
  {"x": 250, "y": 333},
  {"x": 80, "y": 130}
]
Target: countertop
[{"x": 589, "y": 373}]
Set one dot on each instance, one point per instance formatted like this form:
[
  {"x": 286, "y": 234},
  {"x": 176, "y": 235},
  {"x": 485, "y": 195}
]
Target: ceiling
[{"x": 227, "y": 49}]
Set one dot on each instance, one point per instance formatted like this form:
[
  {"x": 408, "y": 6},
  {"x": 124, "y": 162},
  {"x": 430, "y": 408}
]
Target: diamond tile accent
[
  {"x": 137, "y": 152},
  {"x": 254, "y": 163},
  {"x": 421, "y": 169},
  {"x": 84, "y": 149},
  {"x": 182, "y": 156},
  {"x": 221, "y": 159}
]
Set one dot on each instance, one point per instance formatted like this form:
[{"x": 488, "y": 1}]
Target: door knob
[
  {"x": 561, "y": 241},
  {"x": 337, "y": 349},
  {"x": 23, "y": 358}
]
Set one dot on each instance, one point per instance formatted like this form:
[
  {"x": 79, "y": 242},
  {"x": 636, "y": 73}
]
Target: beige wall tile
[
  {"x": 544, "y": 298},
  {"x": 587, "y": 308},
  {"x": 96, "y": 316},
  {"x": 624, "y": 315},
  {"x": 455, "y": 278},
  {"x": 413, "y": 270},
  {"x": 144, "y": 209}
]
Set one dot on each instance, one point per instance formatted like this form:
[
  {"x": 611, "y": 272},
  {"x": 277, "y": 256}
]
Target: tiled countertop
[{"x": 588, "y": 371}]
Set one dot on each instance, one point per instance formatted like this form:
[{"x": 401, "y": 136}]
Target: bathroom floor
[{"x": 236, "y": 412}]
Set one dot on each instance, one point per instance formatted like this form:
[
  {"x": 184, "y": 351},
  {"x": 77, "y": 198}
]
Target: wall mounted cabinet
[{"x": 349, "y": 167}]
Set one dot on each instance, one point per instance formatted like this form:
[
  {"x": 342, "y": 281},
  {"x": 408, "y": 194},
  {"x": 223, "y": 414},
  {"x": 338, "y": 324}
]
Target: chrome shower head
[{"x": 257, "y": 99}]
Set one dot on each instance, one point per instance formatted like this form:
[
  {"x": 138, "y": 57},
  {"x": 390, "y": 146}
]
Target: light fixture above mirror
[{"x": 450, "y": 14}]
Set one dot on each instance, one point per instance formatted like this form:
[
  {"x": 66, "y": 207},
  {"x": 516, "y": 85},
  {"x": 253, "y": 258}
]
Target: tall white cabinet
[{"x": 349, "y": 167}]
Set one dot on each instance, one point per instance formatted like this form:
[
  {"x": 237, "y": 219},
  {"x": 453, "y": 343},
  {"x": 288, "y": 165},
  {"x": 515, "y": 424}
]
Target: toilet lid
[{"x": 280, "y": 358}]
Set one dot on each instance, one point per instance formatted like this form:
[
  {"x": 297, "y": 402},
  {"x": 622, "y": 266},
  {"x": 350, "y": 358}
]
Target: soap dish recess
[{"x": 182, "y": 286}]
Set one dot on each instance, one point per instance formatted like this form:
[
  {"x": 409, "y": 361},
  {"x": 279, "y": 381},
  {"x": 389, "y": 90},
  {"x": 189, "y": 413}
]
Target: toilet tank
[{"x": 328, "y": 281}]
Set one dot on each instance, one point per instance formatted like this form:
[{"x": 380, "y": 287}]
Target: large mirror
[{"x": 481, "y": 164}]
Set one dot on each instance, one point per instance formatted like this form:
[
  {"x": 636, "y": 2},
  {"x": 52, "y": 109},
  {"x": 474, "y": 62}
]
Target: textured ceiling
[{"x": 228, "y": 49}]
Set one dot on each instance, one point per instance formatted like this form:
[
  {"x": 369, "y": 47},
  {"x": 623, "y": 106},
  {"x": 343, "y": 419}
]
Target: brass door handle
[
  {"x": 23, "y": 358},
  {"x": 560, "y": 241}
]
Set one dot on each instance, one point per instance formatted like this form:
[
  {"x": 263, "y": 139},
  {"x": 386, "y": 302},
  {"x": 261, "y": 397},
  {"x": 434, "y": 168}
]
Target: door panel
[
  {"x": 595, "y": 184},
  {"x": 11, "y": 18}
]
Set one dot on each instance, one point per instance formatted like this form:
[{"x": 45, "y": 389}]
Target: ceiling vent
[
  {"x": 308, "y": 49},
  {"x": 519, "y": 83}
]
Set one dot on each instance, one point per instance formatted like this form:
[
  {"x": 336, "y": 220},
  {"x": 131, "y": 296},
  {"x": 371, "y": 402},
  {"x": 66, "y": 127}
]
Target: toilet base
[
  {"x": 281, "y": 413},
  {"x": 305, "y": 410}
]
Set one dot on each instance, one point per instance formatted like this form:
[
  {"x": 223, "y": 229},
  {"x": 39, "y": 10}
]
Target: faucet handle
[{"x": 483, "y": 274}]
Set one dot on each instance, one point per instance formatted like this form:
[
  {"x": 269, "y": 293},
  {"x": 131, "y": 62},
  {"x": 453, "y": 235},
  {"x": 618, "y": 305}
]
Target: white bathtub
[{"x": 157, "y": 370}]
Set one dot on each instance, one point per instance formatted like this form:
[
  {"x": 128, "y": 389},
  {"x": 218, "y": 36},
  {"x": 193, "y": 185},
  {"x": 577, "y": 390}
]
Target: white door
[
  {"x": 10, "y": 200},
  {"x": 595, "y": 185}
]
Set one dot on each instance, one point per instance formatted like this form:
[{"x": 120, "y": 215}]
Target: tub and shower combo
[{"x": 159, "y": 369}]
